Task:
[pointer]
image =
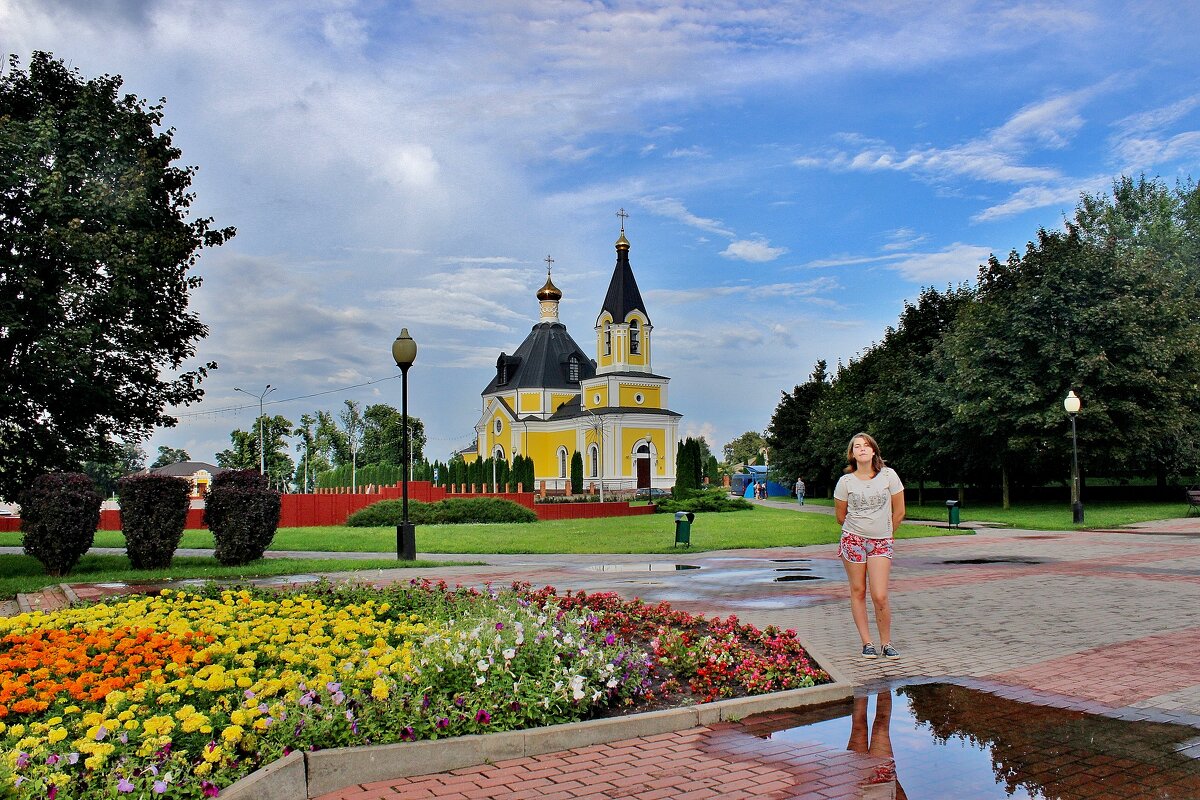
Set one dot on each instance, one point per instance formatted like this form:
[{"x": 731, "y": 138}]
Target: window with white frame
[
  {"x": 594, "y": 458},
  {"x": 562, "y": 462}
]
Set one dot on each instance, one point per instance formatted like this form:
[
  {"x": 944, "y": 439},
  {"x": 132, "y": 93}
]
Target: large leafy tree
[
  {"x": 745, "y": 449},
  {"x": 243, "y": 454},
  {"x": 96, "y": 246},
  {"x": 790, "y": 436},
  {"x": 383, "y": 436},
  {"x": 169, "y": 455},
  {"x": 1110, "y": 307}
]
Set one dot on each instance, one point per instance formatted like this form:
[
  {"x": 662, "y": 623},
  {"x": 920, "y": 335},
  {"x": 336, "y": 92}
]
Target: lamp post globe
[
  {"x": 404, "y": 351},
  {"x": 1072, "y": 404}
]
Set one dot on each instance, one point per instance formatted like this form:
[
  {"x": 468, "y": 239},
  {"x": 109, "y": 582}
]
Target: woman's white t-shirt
[{"x": 869, "y": 503}]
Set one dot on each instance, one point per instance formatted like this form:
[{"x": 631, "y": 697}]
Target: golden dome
[
  {"x": 622, "y": 242},
  {"x": 549, "y": 291}
]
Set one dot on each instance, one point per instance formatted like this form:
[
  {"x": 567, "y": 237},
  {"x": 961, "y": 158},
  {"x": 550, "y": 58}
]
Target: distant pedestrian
[
  {"x": 800, "y": 490},
  {"x": 869, "y": 505}
]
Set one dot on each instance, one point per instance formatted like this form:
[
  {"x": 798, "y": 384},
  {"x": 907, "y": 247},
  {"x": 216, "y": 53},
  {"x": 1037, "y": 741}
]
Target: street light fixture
[
  {"x": 597, "y": 427},
  {"x": 1072, "y": 404},
  {"x": 404, "y": 351},
  {"x": 262, "y": 453}
]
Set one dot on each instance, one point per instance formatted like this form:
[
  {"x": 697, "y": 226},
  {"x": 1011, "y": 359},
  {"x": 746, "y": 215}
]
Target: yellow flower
[
  {"x": 379, "y": 689},
  {"x": 56, "y": 735},
  {"x": 233, "y": 734}
]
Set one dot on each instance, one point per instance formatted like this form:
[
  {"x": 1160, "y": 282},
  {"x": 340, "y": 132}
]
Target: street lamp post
[
  {"x": 262, "y": 453},
  {"x": 404, "y": 351},
  {"x": 1071, "y": 404}
]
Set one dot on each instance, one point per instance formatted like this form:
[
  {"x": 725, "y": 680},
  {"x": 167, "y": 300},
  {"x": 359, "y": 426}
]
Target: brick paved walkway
[{"x": 1043, "y": 618}]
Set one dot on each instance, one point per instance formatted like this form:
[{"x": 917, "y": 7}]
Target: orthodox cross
[
  {"x": 549, "y": 261},
  {"x": 623, "y": 217}
]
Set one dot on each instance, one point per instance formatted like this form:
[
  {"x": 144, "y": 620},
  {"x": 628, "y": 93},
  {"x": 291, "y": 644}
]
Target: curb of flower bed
[{"x": 315, "y": 773}]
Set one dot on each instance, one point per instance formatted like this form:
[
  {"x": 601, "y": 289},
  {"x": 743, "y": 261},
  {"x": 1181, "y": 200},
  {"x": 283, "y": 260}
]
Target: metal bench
[{"x": 1193, "y": 498}]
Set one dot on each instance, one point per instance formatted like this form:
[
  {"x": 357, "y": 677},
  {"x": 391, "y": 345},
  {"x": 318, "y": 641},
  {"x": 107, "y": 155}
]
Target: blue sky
[{"x": 793, "y": 173}]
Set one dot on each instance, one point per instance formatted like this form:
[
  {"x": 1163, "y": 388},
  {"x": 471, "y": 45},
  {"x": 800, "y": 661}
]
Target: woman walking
[{"x": 869, "y": 504}]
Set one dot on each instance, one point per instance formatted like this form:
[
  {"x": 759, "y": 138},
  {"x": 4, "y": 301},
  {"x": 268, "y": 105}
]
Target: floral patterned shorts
[{"x": 856, "y": 549}]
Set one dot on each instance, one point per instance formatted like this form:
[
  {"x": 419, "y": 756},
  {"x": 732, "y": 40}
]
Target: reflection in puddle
[
  {"x": 651, "y": 567},
  {"x": 949, "y": 742}
]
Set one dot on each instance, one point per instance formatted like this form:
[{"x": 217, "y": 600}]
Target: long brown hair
[{"x": 876, "y": 459}]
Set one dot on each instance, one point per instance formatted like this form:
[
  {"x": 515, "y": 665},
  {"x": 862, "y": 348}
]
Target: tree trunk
[
  {"x": 962, "y": 496},
  {"x": 1004, "y": 486}
]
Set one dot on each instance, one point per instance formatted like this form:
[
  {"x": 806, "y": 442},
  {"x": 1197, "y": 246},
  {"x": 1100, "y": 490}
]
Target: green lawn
[
  {"x": 24, "y": 573},
  {"x": 1056, "y": 516}
]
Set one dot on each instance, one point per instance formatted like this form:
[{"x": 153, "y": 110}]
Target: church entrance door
[{"x": 643, "y": 467}]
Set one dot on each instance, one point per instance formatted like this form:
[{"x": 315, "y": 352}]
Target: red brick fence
[{"x": 327, "y": 508}]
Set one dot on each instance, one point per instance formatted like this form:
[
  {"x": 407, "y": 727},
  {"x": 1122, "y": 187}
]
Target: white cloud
[
  {"x": 689, "y": 152},
  {"x": 756, "y": 250},
  {"x": 672, "y": 208},
  {"x": 904, "y": 239},
  {"x": 958, "y": 262},
  {"x": 1064, "y": 194}
]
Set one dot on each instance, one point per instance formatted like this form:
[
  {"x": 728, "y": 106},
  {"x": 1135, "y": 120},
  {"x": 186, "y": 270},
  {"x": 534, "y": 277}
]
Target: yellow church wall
[
  {"x": 530, "y": 402},
  {"x": 470, "y": 458},
  {"x": 542, "y": 447},
  {"x": 557, "y": 400},
  {"x": 629, "y": 440},
  {"x": 651, "y": 396},
  {"x": 596, "y": 397}
]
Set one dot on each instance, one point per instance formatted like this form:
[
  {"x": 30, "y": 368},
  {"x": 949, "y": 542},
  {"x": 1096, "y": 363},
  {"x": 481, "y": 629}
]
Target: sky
[{"x": 793, "y": 173}]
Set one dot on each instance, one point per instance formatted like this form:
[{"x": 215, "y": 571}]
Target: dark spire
[{"x": 623, "y": 295}]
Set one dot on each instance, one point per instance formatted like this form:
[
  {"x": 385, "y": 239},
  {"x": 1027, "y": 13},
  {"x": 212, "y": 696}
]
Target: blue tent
[{"x": 758, "y": 474}]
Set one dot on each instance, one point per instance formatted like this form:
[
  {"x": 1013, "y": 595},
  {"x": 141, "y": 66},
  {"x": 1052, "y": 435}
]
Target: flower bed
[{"x": 179, "y": 694}]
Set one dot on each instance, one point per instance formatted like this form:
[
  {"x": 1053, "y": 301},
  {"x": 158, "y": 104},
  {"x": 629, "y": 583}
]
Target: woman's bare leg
[
  {"x": 858, "y": 726},
  {"x": 878, "y": 569},
  {"x": 857, "y": 576}
]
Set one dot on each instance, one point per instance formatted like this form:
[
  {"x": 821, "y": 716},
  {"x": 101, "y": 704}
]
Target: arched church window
[
  {"x": 573, "y": 369},
  {"x": 635, "y": 336},
  {"x": 562, "y": 462},
  {"x": 594, "y": 458},
  {"x": 607, "y": 340}
]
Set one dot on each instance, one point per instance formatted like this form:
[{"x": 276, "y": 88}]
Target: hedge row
[{"x": 451, "y": 511}]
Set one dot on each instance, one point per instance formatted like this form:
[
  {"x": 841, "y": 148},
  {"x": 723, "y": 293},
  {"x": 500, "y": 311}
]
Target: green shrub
[
  {"x": 711, "y": 501},
  {"x": 576, "y": 473},
  {"x": 242, "y": 511},
  {"x": 59, "y": 516},
  {"x": 154, "y": 511},
  {"x": 451, "y": 511}
]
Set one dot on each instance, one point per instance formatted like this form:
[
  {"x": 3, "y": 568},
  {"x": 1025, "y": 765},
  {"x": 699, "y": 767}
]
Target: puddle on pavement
[
  {"x": 996, "y": 560},
  {"x": 788, "y": 578},
  {"x": 652, "y": 567},
  {"x": 950, "y": 742}
]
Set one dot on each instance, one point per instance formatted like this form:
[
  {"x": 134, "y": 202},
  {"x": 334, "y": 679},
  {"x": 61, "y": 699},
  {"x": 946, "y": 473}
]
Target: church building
[{"x": 549, "y": 399}]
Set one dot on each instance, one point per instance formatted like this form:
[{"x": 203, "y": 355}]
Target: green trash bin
[
  {"x": 953, "y": 510},
  {"x": 683, "y": 528}
]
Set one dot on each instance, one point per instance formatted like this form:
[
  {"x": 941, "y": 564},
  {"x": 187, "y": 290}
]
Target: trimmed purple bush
[
  {"x": 242, "y": 511},
  {"x": 59, "y": 516},
  {"x": 153, "y": 515}
]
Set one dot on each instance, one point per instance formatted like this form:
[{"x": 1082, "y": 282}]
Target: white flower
[
  {"x": 509, "y": 654},
  {"x": 482, "y": 665},
  {"x": 480, "y": 680}
]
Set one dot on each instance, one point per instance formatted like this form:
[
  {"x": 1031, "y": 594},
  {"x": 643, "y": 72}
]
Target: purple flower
[
  {"x": 458, "y": 701},
  {"x": 124, "y": 737},
  {"x": 499, "y": 626},
  {"x": 333, "y": 688},
  {"x": 249, "y": 694},
  {"x": 73, "y": 758},
  {"x": 22, "y": 760},
  {"x": 160, "y": 787},
  {"x": 52, "y": 759},
  {"x": 52, "y": 792},
  {"x": 425, "y": 702},
  {"x": 305, "y": 699},
  {"x": 124, "y": 786},
  {"x": 443, "y": 723},
  {"x": 483, "y": 716},
  {"x": 100, "y": 734},
  {"x": 338, "y": 698},
  {"x": 210, "y": 789},
  {"x": 610, "y": 639}
]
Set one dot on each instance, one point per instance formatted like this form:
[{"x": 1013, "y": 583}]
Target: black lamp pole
[
  {"x": 404, "y": 350},
  {"x": 1072, "y": 404}
]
